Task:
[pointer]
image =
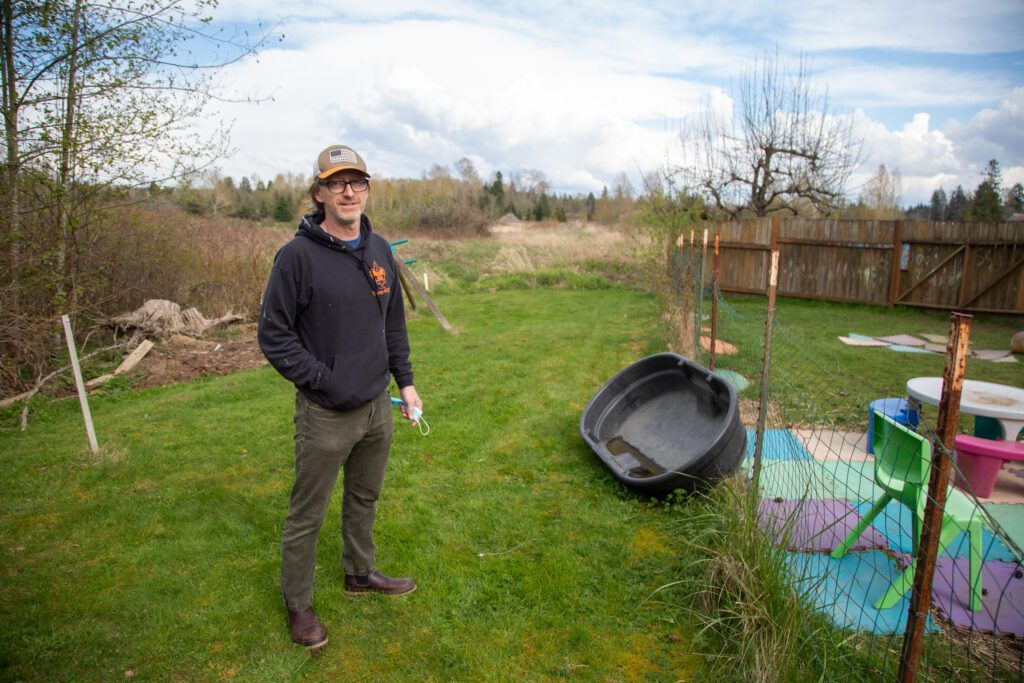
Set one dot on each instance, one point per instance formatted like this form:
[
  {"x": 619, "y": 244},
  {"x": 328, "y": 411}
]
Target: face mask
[{"x": 417, "y": 416}]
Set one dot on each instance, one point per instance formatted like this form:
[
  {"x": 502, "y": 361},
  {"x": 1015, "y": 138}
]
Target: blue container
[{"x": 897, "y": 408}]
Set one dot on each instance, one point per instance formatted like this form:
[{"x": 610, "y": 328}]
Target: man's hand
[{"x": 412, "y": 400}]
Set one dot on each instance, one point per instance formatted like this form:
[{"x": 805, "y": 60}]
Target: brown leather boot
[
  {"x": 376, "y": 582},
  {"x": 306, "y": 629}
]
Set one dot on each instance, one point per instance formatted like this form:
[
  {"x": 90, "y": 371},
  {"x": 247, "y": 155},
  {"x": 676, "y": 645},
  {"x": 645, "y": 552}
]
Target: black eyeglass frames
[{"x": 337, "y": 185}]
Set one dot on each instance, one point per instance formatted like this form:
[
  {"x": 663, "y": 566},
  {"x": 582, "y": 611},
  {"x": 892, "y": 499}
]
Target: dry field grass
[{"x": 514, "y": 247}]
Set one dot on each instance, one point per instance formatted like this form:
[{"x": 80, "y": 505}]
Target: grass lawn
[
  {"x": 816, "y": 378},
  {"x": 161, "y": 558}
]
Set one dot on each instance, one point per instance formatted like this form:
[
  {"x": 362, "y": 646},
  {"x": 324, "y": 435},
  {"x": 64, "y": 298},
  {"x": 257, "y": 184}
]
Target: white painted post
[
  {"x": 82, "y": 398},
  {"x": 426, "y": 282}
]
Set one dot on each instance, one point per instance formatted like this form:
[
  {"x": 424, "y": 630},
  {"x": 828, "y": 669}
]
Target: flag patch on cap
[{"x": 343, "y": 156}]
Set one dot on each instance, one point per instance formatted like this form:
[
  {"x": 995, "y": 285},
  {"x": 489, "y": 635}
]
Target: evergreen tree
[
  {"x": 939, "y": 205},
  {"x": 282, "y": 211},
  {"x": 1015, "y": 199},
  {"x": 591, "y": 204},
  {"x": 957, "y": 207},
  {"x": 498, "y": 189},
  {"x": 919, "y": 212},
  {"x": 542, "y": 209},
  {"x": 987, "y": 205}
]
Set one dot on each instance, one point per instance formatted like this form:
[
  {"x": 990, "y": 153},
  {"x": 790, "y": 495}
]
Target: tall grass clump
[{"x": 752, "y": 621}]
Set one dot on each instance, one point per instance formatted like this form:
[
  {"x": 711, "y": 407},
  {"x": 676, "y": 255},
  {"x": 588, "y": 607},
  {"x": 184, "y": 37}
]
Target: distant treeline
[
  {"x": 440, "y": 201},
  {"x": 457, "y": 203}
]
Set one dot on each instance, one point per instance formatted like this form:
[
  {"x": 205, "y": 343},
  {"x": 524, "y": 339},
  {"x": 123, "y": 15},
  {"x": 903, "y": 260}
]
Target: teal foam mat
[
  {"x": 779, "y": 444},
  {"x": 846, "y": 589}
]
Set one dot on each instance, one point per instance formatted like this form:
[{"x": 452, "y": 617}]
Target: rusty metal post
[
  {"x": 931, "y": 525},
  {"x": 714, "y": 307},
  {"x": 762, "y": 411}
]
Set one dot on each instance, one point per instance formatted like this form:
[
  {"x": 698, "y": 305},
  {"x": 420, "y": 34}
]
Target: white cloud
[
  {"x": 992, "y": 133},
  {"x": 444, "y": 91},
  {"x": 884, "y": 85},
  {"x": 583, "y": 91}
]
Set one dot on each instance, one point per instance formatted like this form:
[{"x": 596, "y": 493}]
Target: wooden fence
[{"x": 971, "y": 267}]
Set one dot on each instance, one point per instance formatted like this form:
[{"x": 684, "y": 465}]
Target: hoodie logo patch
[{"x": 380, "y": 278}]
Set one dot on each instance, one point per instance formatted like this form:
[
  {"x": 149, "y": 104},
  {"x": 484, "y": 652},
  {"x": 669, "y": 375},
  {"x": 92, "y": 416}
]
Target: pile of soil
[{"x": 181, "y": 358}]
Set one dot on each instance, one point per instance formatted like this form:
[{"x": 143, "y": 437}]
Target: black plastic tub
[{"x": 666, "y": 423}]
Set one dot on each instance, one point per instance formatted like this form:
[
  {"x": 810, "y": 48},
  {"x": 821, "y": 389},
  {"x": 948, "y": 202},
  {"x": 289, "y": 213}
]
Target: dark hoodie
[{"x": 333, "y": 322}]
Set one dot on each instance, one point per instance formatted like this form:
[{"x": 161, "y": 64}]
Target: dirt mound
[{"x": 181, "y": 358}]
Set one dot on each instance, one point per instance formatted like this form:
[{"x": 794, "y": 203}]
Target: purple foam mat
[
  {"x": 814, "y": 525},
  {"x": 1002, "y": 602}
]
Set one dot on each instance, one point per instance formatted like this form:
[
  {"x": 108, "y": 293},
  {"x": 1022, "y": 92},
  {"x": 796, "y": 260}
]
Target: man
[{"x": 333, "y": 324}]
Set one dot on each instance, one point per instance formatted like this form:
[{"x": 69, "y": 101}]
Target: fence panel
[{"x": 956, "y": 266}]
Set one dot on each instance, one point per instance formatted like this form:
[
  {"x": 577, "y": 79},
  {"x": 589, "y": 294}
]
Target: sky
[{"x": 585, "y": 90}]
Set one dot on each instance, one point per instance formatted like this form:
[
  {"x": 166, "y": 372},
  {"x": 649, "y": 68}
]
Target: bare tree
[
  {"x": 98, "y": 96},
  {"x": 779, "y": 149},
  {"x": 467, "y": 171},
  {"x": 880, "y": 196}
]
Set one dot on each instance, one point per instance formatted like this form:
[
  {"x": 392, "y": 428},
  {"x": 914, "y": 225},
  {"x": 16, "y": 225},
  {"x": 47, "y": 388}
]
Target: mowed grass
[
  {"x": 159, "y": 559},
  {"x": 817, "y": 379}
]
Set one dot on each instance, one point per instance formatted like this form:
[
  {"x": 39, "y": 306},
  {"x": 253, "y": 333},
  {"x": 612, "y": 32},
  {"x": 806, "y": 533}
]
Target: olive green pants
[{"x": 327, "y": 441}]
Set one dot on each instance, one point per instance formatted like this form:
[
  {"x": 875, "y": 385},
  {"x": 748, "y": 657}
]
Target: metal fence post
[
  {"x": 762, "y": 411},
  {"x": 931, "y": 525}
]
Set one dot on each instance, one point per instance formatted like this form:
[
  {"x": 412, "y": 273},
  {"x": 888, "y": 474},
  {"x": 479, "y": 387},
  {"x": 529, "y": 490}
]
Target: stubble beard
[{"x": 345, "y": 220}]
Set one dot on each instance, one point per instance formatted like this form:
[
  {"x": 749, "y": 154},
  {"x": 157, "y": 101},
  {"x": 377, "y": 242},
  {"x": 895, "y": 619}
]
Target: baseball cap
[{"x": 338, "y": 158}]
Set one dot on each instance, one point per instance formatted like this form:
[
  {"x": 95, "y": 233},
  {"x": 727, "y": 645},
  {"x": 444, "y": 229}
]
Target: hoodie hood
[{"x": 309, "y": 227}]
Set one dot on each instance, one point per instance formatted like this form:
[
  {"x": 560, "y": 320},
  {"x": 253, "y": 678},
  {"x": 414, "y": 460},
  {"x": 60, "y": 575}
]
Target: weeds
[{"x": 750, "y": 621}]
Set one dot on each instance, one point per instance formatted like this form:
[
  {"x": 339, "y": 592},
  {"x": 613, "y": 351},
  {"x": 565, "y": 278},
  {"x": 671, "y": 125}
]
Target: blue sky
[{"x": 586, "y": 90}]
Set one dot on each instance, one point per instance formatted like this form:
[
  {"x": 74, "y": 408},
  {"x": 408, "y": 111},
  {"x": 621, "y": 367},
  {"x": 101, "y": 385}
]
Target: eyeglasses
[{"x": 337, "y": 186}]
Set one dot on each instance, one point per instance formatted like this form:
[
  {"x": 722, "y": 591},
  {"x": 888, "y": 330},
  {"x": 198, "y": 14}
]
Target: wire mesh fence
[{"x": 842, "y": 488}]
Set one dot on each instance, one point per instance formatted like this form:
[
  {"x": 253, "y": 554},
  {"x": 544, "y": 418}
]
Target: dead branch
[{"x": 27, "y": 396}]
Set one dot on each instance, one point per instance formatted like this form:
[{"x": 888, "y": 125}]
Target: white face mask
[{"x": 417, "y": 416}]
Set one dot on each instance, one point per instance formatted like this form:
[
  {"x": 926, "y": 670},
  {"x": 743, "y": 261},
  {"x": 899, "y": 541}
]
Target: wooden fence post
[
  {"x": 714, "y": 307},
  {"x": 762, "y": 411},
  {"x": 698, "y": 305},
  {"x": 83, "y": 399},
  {"x": 931, "y": 525}
]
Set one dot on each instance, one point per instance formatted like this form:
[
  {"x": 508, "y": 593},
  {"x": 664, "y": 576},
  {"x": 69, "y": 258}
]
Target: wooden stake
[
  {"x": 82, "y": 398},
  {"x": 714, "y": 306},
  {"x": 402, "y": 268},
  {"x": 762, "y": 411},
  {"x": 931, "y": 525},
  {"x": 699, "y": 299},
  {"x": 405, "y": 286}
]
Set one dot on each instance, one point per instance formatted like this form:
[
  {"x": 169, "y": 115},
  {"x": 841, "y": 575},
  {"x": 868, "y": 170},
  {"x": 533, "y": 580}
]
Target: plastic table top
[{"x": 998, "y": 401}]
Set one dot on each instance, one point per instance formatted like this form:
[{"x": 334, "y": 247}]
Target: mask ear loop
[{"x": 420, "y": 423}]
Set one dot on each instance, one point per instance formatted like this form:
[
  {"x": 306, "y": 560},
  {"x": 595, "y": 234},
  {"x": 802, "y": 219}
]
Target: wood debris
[{"x": 162, "y": 319}]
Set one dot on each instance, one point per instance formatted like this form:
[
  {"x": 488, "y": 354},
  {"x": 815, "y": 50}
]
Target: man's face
[{"x": 346, "y": 207}]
